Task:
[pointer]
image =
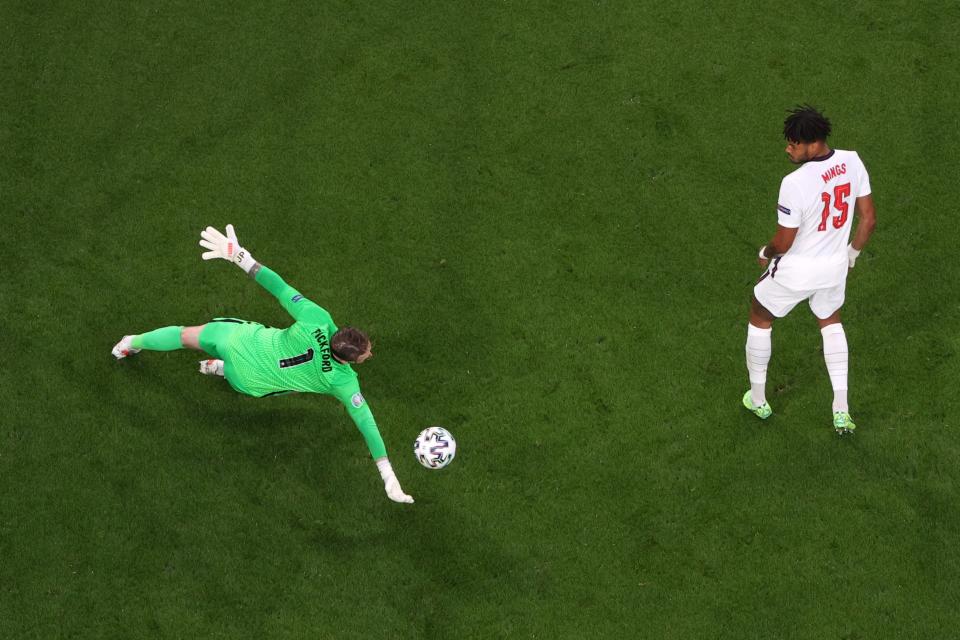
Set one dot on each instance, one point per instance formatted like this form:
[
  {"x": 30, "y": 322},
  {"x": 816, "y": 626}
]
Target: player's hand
[
  {"x": 763, "y": 260},
  {"x": 221, "y": 246},
  {"x": 225, "y": 247},
  {"x": 852, "y": 255},
  {"x": 394, "y": 492}
]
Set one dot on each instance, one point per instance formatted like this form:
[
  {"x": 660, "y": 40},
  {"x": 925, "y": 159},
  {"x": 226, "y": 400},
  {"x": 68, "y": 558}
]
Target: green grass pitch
[{"x": 546, "y": 214}]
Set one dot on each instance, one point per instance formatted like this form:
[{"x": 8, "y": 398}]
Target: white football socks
[
  {"x": 836, "y": 355},
  {"x": 758, "y": 357}
]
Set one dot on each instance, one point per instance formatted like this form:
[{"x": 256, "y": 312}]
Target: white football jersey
[{"x": 818, "y": 199}]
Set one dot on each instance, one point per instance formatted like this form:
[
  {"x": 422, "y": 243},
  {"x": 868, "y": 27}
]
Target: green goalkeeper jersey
[{"x": 261, "y": 361}]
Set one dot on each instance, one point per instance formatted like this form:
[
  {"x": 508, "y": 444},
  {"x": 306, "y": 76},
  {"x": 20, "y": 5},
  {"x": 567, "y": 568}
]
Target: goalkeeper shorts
[{"x": 217, "y": 334}]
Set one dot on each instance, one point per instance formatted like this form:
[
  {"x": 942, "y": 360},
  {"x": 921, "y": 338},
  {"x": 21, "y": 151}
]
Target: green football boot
[
  {"x": 843, "y": 423},
  {"x": 763, "y": 411}
]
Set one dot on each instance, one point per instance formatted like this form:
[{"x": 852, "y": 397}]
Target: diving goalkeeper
[{"x": 311, "y": 355}]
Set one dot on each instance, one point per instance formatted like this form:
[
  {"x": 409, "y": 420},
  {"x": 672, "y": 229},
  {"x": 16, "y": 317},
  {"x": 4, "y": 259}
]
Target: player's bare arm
[
  {"x": 866, "y": 222},
  {"x": 779, "y": 245}
]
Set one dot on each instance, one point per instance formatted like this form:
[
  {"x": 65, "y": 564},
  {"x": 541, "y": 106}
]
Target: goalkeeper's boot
[
  {"x": 211, "y": 367},
  {"x": 123, "y": 349},
  {"x": 763, "y": 411},
  {"x": 843, "y": 423}
]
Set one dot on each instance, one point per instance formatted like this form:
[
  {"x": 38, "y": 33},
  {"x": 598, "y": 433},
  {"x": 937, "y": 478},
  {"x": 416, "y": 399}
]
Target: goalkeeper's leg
[
  {"x": 163, "y": 339},
  {"x": 213, "y": 337}
]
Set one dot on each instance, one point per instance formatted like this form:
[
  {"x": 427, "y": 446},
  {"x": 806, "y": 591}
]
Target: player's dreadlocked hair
[
  {"x": 805, "y": 124},
  {"x": 349, "y": 343}
]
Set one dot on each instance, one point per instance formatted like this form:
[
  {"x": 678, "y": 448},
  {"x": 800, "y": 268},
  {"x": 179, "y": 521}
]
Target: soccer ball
[{"x": 435, "y": 447}]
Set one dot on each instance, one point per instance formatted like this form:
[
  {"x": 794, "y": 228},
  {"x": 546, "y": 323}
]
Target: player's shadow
[{"x": 163, "y": 402}]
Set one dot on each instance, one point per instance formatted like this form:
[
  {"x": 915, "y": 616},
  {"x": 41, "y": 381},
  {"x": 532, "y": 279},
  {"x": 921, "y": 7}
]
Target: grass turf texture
[{"x": 546, "y": 214}]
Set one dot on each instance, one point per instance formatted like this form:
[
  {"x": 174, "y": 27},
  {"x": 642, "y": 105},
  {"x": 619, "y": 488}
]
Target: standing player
[
  {"x": 312, "y": 355},
  {"x": 808, "y": 258}
]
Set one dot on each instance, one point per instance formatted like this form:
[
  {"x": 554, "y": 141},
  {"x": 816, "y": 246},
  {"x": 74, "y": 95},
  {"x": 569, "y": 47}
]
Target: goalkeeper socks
[
  {"x": 165, "y": 339},
  {"x": 836, "y": 355},
  {"x": 758, "y": 357}
]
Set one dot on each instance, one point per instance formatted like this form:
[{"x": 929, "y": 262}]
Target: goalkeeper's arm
[
  {"x": 228, "y": 248},
  {"x": 288, "y": 297},
  {"x": 363, "y": 418}
]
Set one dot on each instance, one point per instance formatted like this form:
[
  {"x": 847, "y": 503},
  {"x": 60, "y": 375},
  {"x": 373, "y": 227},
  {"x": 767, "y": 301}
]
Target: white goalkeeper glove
[
  {"x": 225, "y": 247},
  {"x": 390, "y": 483},
  {"x": 852, "y": 255}
]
